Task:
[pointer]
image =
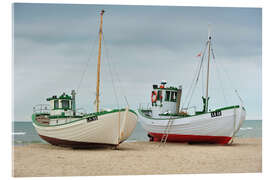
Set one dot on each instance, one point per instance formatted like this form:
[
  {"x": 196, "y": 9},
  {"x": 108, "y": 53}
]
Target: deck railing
[
  {"x": 145, "y": 106},
  {"x": 41, "y": 109},
  {"x": 190, "y": 110},
  {"x": 80, "y": 111}
]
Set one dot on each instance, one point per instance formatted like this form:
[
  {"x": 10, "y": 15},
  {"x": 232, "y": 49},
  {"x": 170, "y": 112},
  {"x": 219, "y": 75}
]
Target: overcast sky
[{"x": 55, "y": 43}]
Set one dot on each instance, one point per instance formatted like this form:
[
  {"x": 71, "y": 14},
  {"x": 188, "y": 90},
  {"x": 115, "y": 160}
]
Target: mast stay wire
[
  {"x": 120, "y": 84},
  {"x": 219, "y": 76},
  {"x": 190, "y": 88},
  {"x": 193, "y": 82},
  {"x": 197, "y": 80},
  {"x": 116, "y": 76},
  {"x": 196, "y": 77},
  {"x": 106, "y": 57},
  {"x": 88, "y": 62},
  {"x": 230, "y": 81},
  {"x": 86, "y": 67}
]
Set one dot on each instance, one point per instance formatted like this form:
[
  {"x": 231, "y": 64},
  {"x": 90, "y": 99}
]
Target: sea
[{"x": 24, "y": 132}]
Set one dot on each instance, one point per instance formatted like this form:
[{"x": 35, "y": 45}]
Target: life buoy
[{"x": 154, "y": 96}]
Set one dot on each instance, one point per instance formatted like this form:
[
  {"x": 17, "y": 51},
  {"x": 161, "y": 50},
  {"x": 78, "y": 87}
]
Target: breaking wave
[
  {"x": 246, "y": 128},
  {"x": 19, "y": 133}
]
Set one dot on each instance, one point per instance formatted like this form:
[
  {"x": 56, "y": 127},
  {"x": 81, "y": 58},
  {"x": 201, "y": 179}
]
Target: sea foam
[
  {"x": 246, "y": 128},
  {"x": 19, "y": 133}
]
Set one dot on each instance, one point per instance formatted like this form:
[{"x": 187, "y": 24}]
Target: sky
[{"x": 55, "y": 49}]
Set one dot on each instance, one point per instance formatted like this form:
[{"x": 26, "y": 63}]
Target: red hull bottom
[
  {"x": 190, "y": 138},
  {"x": 73, "y": 144}
]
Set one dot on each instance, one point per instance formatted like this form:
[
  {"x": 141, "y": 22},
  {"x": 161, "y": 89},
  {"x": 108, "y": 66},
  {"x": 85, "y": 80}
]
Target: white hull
[
  {"x": 111, "y": 128},
  {"x": 226, "y": 125}
]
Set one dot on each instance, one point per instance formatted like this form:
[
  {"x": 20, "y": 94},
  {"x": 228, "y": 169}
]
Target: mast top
[
  {"x": 102, "y": 12},
  {"x": 209, "y": 32}
]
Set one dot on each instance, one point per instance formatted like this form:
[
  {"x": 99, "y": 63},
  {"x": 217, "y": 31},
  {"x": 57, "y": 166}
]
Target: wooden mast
[
  {"x": 207, "y": 81},
  {"x": 98, "y": 65}
]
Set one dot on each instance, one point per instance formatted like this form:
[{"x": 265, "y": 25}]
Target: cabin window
[
  {"x": 65, "y": 104},
  {"x": 159, "y": 95},
  {"x": 173, "y": 97},
  {"x": 167, "y": 98},
  {"x": 56, "y": 104}
]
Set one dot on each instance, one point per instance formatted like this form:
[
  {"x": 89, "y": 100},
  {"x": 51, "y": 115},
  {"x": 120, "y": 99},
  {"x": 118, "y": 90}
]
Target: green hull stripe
[
  {"x": 181, "y": 116},
  {"x": 63, "y": 116},
  {"x": 225, "y": 108},
  {"x": 80, "y": 119}
]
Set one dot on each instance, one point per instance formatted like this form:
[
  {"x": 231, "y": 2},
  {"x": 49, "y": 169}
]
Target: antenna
[{"x": 209, "y": 31}]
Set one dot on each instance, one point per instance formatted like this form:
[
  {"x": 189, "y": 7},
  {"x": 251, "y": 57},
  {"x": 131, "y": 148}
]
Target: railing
[
  {"x": 188, "y": 110},
  {"x": 80, "y": 111},
  {"x": 145, "y": 106},
  {"x": 41, "y": 109},
  {"x": 45, "y": 109}
]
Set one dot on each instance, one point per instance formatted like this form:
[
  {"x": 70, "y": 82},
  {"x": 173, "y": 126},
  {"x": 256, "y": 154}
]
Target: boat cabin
[
  {"x": 61, "y": 106},
  {"x": 165, "y": 100},
  {"x": 60, "y": 110}
]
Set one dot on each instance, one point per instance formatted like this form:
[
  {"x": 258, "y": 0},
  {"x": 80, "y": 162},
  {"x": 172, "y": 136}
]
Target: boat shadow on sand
[
  {"x": 84, "y": 148},
  {"x": 135, "y": 147},
  {"x": 217, "y": 145}
]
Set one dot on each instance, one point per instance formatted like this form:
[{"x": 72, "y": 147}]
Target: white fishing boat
[
  {"x": 60, "y": 124},
  {"x": 165, "y": 121}
]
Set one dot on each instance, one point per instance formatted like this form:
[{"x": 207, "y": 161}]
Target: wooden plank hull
[
  {"x": 67, "y": 143},
  {"x": 110, "y": 129}
]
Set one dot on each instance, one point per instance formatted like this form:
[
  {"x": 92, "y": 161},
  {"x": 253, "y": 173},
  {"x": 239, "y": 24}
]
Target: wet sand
[{"x": 138, "y": 158}]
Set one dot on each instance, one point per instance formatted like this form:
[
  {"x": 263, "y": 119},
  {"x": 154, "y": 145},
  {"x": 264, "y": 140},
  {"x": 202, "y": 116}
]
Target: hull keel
[
  {"x": 73, "y": 144},
  {"x": 190, "y": 138}
]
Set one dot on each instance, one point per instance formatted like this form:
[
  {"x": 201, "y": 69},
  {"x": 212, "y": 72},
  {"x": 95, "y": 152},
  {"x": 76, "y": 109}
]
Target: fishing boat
[
  {"x": 61, "y": 124},
  {"x": 165, "y": 121}
]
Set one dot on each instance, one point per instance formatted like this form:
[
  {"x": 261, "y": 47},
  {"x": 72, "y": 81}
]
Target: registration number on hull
[
  {"x": 216, "y": 113},
  {"x": 92, "y": 118}
]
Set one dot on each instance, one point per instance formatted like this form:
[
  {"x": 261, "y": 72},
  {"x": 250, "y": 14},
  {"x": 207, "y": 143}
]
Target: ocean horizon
[{"x": 24, "y": 132}]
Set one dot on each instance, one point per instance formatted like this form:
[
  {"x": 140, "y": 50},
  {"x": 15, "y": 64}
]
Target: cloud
[{"x": 143, "y": 44}]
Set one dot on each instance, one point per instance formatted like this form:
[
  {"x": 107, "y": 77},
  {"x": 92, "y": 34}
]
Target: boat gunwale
[
  {"x": 180, "y": 116},
  {"x": 80, "y": 119}
]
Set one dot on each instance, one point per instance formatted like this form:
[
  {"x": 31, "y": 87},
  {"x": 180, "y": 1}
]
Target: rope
[
  {"x": 117, "y": 77},
  {"x": 219, "y": 77},
  {"x": 190, "y": 88},
  {"x": 241, "y": 100},
  {"x": 228, "y": 77},
  {"x": 86, "y": 67},
  {"x": 197, "y": 75},
  {"x": 121, "y": 89},
  {"x": 110, "y": 71},
  {"x": 88, "y": 62}
]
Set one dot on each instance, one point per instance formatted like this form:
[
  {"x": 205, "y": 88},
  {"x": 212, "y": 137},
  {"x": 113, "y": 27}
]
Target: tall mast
[
  {"x": 98, "y": 65},
  {"x": 208, "y": 66}
]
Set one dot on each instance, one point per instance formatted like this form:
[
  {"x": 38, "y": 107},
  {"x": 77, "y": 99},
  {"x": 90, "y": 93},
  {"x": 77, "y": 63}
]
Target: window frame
[
  {"x": 167, "y": 95},
  {"x": 173, "y": 96},
  {"x": 56, "y": 104},
  {"x": 63, "y": 103}
]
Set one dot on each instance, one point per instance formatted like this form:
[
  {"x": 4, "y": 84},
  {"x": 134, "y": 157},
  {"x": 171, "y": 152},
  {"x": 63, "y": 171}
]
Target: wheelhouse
[{"x": 165, "y": 100}]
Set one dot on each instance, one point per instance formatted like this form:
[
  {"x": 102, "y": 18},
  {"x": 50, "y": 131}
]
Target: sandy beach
[{"x": 138, "y": 158}]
